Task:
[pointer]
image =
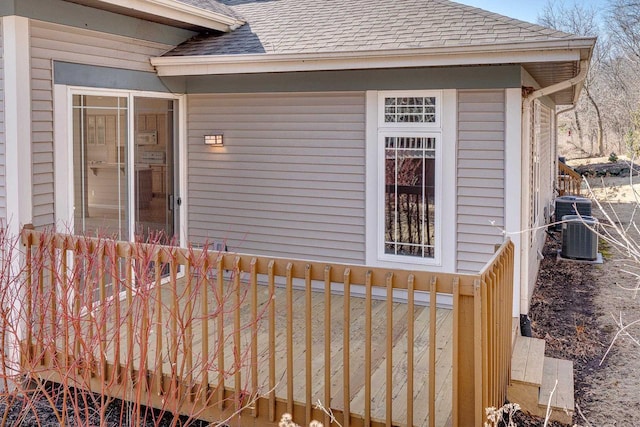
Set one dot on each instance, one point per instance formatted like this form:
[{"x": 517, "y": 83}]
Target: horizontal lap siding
[
  {"x": 547, "y": 174},
  {"x": 480, "y": 177},
  {"x": 290, "y": 179},
  {"x": 3, "y": 178},
  {"x": 51, "y": 42}
]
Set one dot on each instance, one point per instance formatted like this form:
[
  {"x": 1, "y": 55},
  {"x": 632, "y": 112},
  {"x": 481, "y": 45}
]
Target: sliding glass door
[{"x": 124, "y": 167}]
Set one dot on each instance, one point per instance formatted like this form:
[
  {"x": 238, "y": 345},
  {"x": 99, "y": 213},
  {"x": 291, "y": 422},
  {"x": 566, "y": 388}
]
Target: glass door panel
[
  {"x": 154, "y": 135},
  {"x": 101, "y": 199},
  {"x": 100, "y": 180}
]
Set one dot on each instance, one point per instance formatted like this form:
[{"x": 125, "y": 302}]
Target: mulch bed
[
  {"x": 37, "y": 411},
  {"x": 563, "y": 313}
]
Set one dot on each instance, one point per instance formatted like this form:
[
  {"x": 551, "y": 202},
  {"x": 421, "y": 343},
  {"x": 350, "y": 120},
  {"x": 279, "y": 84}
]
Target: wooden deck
[
  {"x": 234, "y": 355},
  {"x": 223, "y": 336}
]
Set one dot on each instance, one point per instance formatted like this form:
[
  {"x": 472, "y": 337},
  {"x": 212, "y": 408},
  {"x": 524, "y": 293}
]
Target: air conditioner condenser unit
[
  {"x": 571, "y": 205},
  {"x": 579, "y": 239}
]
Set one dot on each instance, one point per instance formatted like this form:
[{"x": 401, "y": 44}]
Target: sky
[{"x": 526, "y": 10}]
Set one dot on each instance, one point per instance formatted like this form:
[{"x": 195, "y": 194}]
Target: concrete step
[{"x": 557, "y": 373}]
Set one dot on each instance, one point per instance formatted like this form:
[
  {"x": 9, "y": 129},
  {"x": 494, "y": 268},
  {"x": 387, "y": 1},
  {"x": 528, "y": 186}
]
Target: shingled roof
[
  {"x": 317, "y": 26},
  {"x": 213, "y": 6}
]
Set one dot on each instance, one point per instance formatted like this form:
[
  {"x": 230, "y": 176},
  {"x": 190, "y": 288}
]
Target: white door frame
[{"x": 63, "y": 153}]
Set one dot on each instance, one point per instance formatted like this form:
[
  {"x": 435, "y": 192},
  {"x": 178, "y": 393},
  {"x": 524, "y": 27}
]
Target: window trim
[{"x": 445, "y": 129}]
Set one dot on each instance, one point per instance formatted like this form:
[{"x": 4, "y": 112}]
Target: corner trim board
[{"x": 17, "y": 84}]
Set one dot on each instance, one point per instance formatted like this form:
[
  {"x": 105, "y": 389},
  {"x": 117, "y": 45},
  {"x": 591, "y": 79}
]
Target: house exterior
[{"x": 409, "y": 134}]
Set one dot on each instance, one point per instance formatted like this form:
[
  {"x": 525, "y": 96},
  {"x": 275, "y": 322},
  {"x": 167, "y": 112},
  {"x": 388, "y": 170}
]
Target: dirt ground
[{"x": 579, "y": 308}]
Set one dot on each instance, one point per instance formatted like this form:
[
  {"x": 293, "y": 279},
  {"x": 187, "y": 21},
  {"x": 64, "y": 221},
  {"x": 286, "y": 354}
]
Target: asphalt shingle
[
  {"x": 305, "y": 26},
  {"x": 212, "y": 6}
]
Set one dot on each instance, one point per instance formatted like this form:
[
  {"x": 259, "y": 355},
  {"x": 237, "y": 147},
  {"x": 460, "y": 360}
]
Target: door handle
[{"x": 174, "y": 201}]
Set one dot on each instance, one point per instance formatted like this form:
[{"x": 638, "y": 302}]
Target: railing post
[{"x": 478, "y": 352}]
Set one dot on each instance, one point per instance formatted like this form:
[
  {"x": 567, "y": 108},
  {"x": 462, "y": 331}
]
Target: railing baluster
[
  {"x": 145, "y": 324},
  {"x": 485, "y": 343},
  {"x": 188, "y": 317},
  {"x": 477, "y": 352},
  {"x": 389, "y": 368},
  {"x": 220, "y": 329},
  {"x": 80, "y": 253},
  {"x": 455, "y": 363},
  {"x": 53, "y": 293},
  {"x": 272, "y": 341},
  {"x": 254, "y": 332},
  {"x": 89, "y": 273},
  {"x": 433, "y": 306},
  {"x": 410, "y": 345},
  {"x": 346, "y": 350},
  {"x": 129, "y": 295},
  {"x": 204, "y": 325},
  {"x": 99, "y": 251},
  {"x": 308, "y": 342},
  {"x": 27, "y": 238},
  {"x": 65, "y": 306},
  {"x": 112, "y": 256},
  {"x": 289, "y": 290},
  {"x": 159, "y": 371},
  {"x": 237, "y": 351},
  {"x": 327, "y": 342},
  {"x": 40, "y": 301},
  {"x": 175, "y": 315},
  {"x": 367, "y": 349}
]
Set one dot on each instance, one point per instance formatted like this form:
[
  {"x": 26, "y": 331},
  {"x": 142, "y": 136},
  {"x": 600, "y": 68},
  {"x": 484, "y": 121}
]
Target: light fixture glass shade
[{"x": 214, "y": 139}]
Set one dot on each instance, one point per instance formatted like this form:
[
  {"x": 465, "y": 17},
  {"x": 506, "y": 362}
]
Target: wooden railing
[
  {"x": 196, "y": 332},
  {"x": 569, "y": 181}
]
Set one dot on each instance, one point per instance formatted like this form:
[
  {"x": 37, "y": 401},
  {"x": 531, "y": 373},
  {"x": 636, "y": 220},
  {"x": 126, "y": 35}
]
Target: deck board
[{"x": 356, "y": 351}]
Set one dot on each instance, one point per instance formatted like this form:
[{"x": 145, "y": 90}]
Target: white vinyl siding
[
  {"x": 51, "y": 42},
  {"x": 541, "y": 200},
  {"x": 289, "y": 180},
  {"x": 3, "y": 178},
  {"x": 546, "y": 164},
  {"x": 480, "y": 176}
]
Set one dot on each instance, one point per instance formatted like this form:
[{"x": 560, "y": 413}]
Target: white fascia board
[
  {"x": 180, "y": 12},
  {"x": 432, "y": 57}
]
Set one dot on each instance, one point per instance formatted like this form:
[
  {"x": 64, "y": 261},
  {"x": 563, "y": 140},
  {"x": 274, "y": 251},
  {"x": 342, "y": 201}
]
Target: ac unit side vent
[
  {"x": 579, "y": 240},
  {"x": 567, "y": 205}
]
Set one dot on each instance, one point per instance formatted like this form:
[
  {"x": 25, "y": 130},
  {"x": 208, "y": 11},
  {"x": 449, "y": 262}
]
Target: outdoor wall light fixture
[{"x": 215, "y": 139}]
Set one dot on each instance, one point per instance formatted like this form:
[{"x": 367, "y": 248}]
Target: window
[
  {"x": 409, "y": 195},
  {"x": 410, "y": 109},
  {"x": 409, "y": 137}
]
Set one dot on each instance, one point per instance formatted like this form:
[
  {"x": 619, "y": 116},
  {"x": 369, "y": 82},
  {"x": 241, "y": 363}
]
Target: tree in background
[
  {"x": 606, "y": 117},
  {"x": 582, "y": 20}
]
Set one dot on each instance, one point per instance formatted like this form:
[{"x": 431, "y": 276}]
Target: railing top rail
[
  {"x": 507, "y": 244},
  {"x": 358, "y": 273},
  {"x": 569, "y": 171}
]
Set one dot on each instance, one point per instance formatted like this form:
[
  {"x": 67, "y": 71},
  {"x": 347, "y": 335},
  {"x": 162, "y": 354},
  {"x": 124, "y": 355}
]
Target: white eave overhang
[
  {"x": 513, "y": 53},
  {"x": 175, "y": 11}
]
